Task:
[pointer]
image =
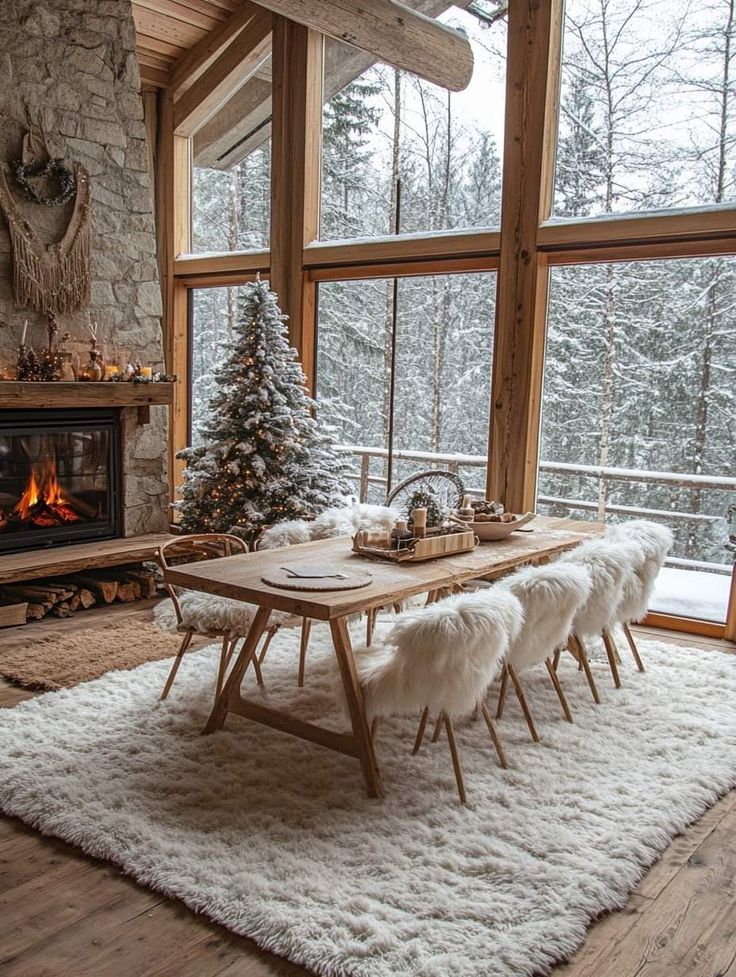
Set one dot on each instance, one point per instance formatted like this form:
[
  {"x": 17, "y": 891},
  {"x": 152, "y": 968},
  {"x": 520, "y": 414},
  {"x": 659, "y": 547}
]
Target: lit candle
[
  {"x": 112, "y": 370},
  {"x": 147, "y": 372},
  {"x": 25, "y": 330}
]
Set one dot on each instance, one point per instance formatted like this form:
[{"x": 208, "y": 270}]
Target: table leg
[
  {"x": 356, "y": 707},
  {"x": 232, "y": 685}
]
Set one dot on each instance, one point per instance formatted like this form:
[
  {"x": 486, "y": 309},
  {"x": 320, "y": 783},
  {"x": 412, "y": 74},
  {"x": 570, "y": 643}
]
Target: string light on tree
[{"x": 264, "y": 458}]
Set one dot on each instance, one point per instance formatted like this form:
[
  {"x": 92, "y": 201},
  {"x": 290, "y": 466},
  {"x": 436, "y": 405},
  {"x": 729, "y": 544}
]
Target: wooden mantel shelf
[
  {"x": 28, "y": 394},
  {"x": 14, "y": 393}
]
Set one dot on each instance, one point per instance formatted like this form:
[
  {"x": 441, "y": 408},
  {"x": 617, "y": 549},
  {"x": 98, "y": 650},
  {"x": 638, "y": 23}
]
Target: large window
[
  {"x": 440, "y": 387},
  {"x": 647, "y": 109},
  {"x": 637, "y": 417},
  {"x": 384, "y": 126}
]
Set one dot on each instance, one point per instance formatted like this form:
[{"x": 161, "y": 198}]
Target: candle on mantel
[
  {"x": 112, "y": 370},
  {"x": 147, "y": 372}
]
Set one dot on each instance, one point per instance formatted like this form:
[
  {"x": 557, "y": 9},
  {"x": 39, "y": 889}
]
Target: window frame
[{"x": 521, "y": 251}]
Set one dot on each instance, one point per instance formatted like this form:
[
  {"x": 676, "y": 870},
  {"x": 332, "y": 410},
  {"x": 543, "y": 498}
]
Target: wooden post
[
  {"x": 295, "y": 176},
  {"x": 730, "y": 634},
  {"x": 534, "y": 39},
  {"x": 173, "y": 217}
]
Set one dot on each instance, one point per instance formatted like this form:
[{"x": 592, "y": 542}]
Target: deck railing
[{"x": 603, "y": 476}]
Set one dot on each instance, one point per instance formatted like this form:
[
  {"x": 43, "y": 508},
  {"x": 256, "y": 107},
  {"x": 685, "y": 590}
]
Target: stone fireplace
[{"x": 69, "y": 66}]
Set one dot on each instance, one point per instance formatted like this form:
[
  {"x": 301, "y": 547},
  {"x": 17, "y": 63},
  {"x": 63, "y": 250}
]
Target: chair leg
[
  {"x": 269, "y": 637},
  {"x": 455, "y": 759},
  {"x": 303, "y": 645},
  {"x": 256, "y": 668},
  {"x": 370, "y": 623},
  {"x": 437, "y": 728},
  {"x": 632, "y": 645},
  {"x": 558, "y": 689},
  {"x": 523, "y": 703},
  {"x": 228, "y": 645},
  {"x": 556, "y": 659},
  {"x": 611, "y": 654},
  {"x": 420, "y": 731},
  {"x": 582, "y": 657},
  {"x": 374, "y": 727},
  {"x": 502, "y": 692},
  {"x": 177, "y": 662},
  {"x": 494, "y": 735}
]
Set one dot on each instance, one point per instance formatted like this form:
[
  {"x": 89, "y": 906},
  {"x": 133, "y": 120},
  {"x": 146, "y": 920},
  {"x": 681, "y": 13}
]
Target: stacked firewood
[{"x": 62, "y": 596}]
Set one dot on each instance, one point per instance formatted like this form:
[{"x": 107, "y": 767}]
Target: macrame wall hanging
[{"x": 50, "y": 278}]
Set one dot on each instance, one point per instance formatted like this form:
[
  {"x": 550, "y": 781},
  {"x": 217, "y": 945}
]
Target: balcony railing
[{"x": 604, "y": 476}]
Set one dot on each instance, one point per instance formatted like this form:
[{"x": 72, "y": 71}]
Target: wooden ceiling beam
[
  {"x": 226, "y": 73},
  {"x": 244, "y": 122},
  {"x": 198, "y": 58},
  {"x": 390, "y": 31}
]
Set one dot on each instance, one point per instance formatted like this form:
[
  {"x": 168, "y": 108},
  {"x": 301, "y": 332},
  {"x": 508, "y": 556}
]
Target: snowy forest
[{"x": 641, "y": 356}]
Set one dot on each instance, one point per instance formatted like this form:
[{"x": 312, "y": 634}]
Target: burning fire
[{"x": 42, "y": 503}]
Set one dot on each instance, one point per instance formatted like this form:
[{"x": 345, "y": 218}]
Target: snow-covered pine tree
[{"x": 264, "y": 458}]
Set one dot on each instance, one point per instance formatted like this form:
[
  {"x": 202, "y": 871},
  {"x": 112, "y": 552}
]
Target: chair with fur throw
[
  {"x": 440, "y": 660},
  {"x": 653, "y": 542},
  {"x": 550, "y": 596},
  {"x": 612, "y": 569},
  {"x": 333, "y": 522}
]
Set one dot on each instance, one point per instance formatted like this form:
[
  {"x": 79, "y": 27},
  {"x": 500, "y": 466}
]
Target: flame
[{"x": 42, "y": 502}]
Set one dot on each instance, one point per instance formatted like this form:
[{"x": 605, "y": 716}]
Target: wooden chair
[
  {"x": 219, "y": 621},
  {"x": 440, "y": 660}
]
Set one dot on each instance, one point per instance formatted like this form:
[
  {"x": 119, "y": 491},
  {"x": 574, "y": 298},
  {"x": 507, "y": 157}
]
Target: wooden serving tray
[{"x": 429, "y": 548}]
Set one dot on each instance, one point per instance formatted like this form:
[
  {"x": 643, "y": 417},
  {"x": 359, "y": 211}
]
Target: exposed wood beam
[
  {"x": 244, "y": 122},
  {"x": 153, "y": 76},
  {"x": 226, "y": 74},
  {"x": 533, "y": 46},
  {"x": 390, "y": 31},
  {"x": 295, "y": 175},
  {"x": 198, "y": 58}
]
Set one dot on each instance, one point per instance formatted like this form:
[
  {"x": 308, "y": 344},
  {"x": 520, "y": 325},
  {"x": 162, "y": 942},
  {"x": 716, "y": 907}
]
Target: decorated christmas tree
[{"x": 264, "y": 458}]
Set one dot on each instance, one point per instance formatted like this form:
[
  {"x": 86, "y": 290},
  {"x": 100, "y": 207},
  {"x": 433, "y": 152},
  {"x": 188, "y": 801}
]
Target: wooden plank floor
[{"x": 65, "y": 915}]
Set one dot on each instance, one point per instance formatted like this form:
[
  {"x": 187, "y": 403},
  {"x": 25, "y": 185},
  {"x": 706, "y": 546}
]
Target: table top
[{"x": 240, "y": 576}]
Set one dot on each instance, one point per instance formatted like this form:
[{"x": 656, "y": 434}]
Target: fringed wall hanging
[{"x": 51, "y": 278}]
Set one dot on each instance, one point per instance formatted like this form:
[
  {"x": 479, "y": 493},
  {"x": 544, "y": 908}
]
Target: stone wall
[{"x": 70, "y": 65}]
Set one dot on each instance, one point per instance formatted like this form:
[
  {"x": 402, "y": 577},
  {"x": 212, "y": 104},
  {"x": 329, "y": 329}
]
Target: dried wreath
[{"x": 54, "y": 168}]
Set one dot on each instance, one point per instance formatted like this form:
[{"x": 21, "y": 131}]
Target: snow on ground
[{"x": 691, "y": 593}]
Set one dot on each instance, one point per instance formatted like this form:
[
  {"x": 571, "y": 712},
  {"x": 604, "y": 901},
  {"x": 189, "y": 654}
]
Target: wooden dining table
[{"x": 241, "y": 577}]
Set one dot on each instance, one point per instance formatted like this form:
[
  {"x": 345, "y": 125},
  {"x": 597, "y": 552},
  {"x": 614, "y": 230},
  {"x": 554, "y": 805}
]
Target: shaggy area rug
[
  {"x": 62, "y": 659},
  {"x": 275, "y": 838}
]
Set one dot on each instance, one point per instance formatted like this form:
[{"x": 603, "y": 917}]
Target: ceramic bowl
[{"x": 486, "y": 531}]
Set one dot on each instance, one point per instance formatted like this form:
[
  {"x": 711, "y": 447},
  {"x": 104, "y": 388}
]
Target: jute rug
[
  {"x": 63, "y": 659},
  {"x": 275, "y": 838}
]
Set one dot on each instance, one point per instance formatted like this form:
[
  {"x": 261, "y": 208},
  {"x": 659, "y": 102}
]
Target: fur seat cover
[
  {"x": 443, "y": 656},
  {"x": 550, "y": 597},
  {"x": 610, "y": 567},
  {"x": 205, "y": 614},
  {"x": 653, "y": 542},
  {"x": 344, "y": 521}
]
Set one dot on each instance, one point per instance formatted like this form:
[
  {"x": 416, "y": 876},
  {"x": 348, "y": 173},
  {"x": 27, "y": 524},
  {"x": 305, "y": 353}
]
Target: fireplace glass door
[{"x": 58, "y": 477}]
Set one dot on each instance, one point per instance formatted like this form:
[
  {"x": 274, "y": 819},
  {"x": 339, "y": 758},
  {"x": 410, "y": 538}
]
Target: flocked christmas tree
[{"x": 264, "y": 458}]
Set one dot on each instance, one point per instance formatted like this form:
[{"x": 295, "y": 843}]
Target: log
[
  {"x": 61, "y": 610},
  {"x": 12, "y": 615},
  {"x": 86, "y": 598},
  {"x": 34, "y": 612},
  {"x": 74, "y": 602},
  {"x": 147, "y": 581},
  {"x": 105, "y": 591},
  {"x": 37, "y": 595},
  {"x": 391, "y": 32}
]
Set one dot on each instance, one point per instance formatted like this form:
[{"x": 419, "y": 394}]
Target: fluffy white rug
[{"x": 275, "y": 838}]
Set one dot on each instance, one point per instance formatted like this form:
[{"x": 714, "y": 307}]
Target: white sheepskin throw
[
  {"x": 287, "y": 533},
  {"x": 275, "y": 838},
  {"x": 608, "y": 565},
  {"x": 205, "y": 613},
  {"x": 443, "y": 656},
  {"x": 550, "y": 596},
  {"x": 653, "y": 542},
  {"x": 347, "y": 521}
]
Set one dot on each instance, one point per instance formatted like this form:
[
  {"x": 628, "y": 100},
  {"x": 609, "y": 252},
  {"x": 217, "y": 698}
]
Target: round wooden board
[{"x": 351, "y": 581}]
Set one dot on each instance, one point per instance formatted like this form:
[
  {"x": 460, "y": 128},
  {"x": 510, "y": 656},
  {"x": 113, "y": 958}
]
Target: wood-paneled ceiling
[{"x": 167, "y": 29}]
